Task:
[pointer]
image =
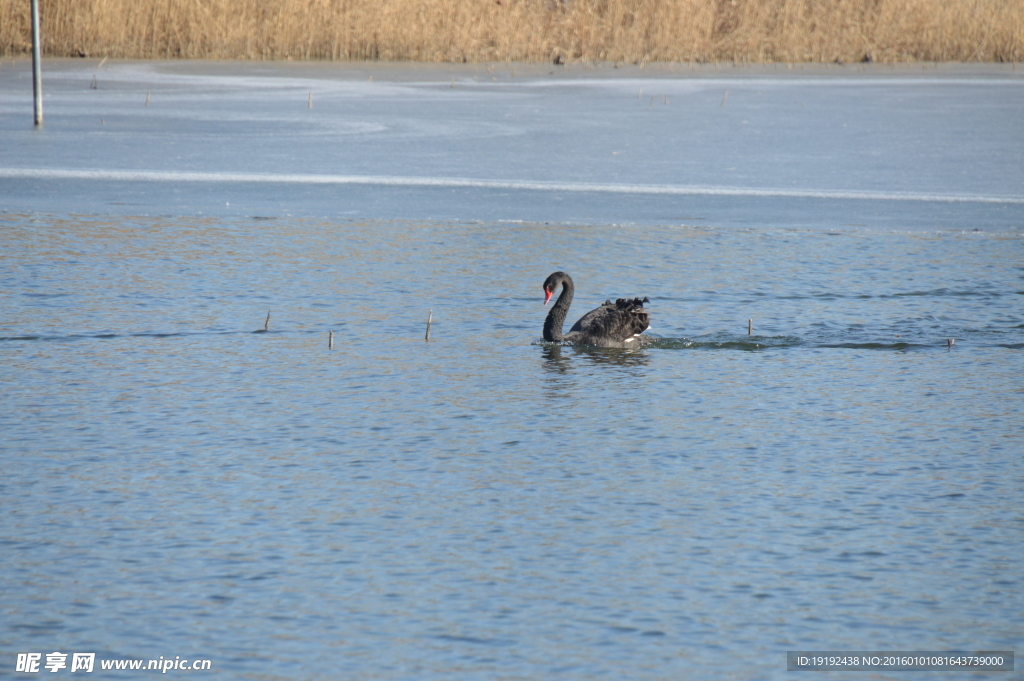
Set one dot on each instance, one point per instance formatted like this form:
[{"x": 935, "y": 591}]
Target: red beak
[{"x": 547, "y": 295}]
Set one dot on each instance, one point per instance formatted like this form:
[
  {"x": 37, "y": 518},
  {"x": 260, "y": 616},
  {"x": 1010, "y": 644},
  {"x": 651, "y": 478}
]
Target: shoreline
[{"x": 529, "y": 69}]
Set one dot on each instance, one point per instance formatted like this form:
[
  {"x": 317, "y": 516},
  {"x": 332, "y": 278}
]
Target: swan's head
[{"x": 552, "y": 283}]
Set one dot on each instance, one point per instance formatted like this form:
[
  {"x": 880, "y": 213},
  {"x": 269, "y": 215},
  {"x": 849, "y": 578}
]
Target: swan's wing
[
  {"x": 594, "y": 318},
  {"x": 633, "y": 318},
  {"x": 613, "y": 322}
]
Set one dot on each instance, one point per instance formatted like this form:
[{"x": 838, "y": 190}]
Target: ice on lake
[{"x": 915, "y": 147}]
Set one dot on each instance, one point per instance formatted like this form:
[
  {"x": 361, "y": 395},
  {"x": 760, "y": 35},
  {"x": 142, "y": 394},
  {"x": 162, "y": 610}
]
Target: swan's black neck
[{"x": 556, "y": 317}]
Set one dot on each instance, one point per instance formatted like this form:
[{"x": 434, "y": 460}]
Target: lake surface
[{"x": 180, "y": 481}]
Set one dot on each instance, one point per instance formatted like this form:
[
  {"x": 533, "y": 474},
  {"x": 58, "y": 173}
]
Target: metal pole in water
[{"x": 37, "y": 58}]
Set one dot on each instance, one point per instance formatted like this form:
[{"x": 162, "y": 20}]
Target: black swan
[{"x": 613, "y": 325}]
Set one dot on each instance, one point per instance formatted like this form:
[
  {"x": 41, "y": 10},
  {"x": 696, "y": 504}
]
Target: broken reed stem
[
  {"x": 266, "y": 324},
  {"x": 309, "y": 104},
  {"x": 750, "y": 327},
  {"x": 430, "y": 318},
  {"x": 330, "y": 340}
]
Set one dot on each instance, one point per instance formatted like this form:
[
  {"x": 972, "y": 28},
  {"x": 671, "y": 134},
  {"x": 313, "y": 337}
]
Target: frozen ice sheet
[{"x": 917, "y": 147}]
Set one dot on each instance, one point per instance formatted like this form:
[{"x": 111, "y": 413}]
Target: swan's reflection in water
[
  {"x": 559, "y": 358},
  {"x": 554, "y": 361},
  {"x": 565, "y": 367}
]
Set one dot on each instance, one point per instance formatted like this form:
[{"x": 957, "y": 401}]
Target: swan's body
[{"x": 613, "y": 325}]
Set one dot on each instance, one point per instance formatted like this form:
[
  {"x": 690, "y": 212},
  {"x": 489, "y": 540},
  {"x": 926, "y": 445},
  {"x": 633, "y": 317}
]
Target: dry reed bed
[{"x": 633, "y": 31}]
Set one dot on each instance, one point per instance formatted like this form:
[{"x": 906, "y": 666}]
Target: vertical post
[{"x": 37, "y": 58}]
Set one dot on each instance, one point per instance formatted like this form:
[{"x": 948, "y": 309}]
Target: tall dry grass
[{"x": 525, "y": 30}]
